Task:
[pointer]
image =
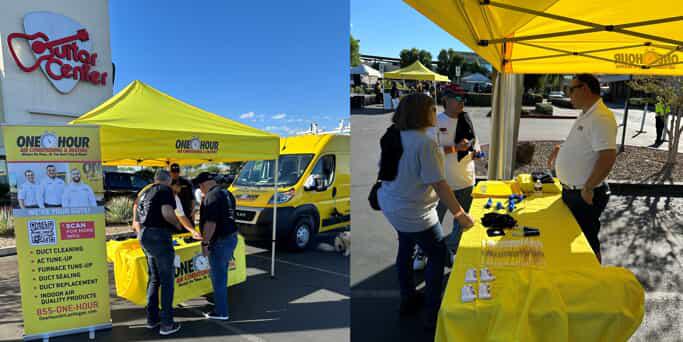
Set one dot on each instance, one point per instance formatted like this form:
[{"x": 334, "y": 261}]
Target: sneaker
[
  {"x": 152, "y": 325},
  {"x": 169, "y": 329},
  {"x": 411, "y": 305},
  {"x": 419, "y": 261},
  {"x": 213, "y": 315}
]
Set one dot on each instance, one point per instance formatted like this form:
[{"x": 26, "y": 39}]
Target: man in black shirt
[
  {"x": 219, "y": 230},
  {"x": 186, "y": 194},
  {"x": 155, "y": 221}
]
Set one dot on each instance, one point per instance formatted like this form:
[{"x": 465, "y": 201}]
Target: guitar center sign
[{"x": 61, "y": 48}]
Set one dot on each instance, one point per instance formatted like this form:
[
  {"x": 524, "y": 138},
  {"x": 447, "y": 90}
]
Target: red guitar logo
[{"x": 59, "y": 51}]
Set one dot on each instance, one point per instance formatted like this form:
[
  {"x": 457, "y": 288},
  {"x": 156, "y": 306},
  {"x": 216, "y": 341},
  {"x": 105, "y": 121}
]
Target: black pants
[
  {"x": 660, "y": 122},
  {"x": 586, "y": 215}
]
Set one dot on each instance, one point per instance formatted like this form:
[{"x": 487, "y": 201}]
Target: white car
[{"x": 556, "y": 95}]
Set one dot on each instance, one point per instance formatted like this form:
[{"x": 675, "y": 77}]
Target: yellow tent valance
[
  {"x": 143, "y": 126},
  {"x": 566, "y": 36},
  {"x": 415, "y": 71}
]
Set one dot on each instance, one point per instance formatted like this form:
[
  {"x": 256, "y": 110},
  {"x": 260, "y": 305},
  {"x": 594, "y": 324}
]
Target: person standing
[
  {"x": 52, "y": 188},
  {"x": 395, "y": 95},
  {"x": 662, "y": 110},
  {"x": 586, "y": 157},
  {"x": 455, "y": 135},
  {"x": 186, "y": 195},
  {"x": 379, "y": 98},
  {"x": 29, "y": 194},
  {"x": 155, "y": 221},
  {"x": 77, "y": 194},
  {"x": 413, "y": 181},
  {"x": 219, "y": 234}
]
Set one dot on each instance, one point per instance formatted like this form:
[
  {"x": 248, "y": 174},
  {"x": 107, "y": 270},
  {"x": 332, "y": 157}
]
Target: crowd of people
[
  {"x": 427, "y": 169},
  {"x": 166, "y": 207}
]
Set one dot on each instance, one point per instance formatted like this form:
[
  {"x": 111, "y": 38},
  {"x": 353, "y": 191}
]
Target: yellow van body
[{"x": 314, "y": 192}]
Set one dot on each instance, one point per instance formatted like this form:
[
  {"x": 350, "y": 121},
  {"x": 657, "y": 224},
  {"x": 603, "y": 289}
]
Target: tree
[
  {"x": 447, "y": 62},
  {"x": 355, "y": 52},
  {"x": 670, "y": 89},
  {"x": 409, "y": 56}
]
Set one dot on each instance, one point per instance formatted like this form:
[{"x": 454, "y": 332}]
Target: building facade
[{"x": 55, "y": 60}]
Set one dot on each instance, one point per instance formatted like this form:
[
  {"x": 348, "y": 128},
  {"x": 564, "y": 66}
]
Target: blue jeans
[
  {"x": 464, "y": 196},
  {"x": 158, "y": 247},
  {"x": 220, "y": 253},
  {"x": 431, "y": 242}
]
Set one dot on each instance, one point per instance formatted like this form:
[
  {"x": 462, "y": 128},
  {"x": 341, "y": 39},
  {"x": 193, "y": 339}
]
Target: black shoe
[
  {"x": 169, "y": 329},
  {"x": 153, "y": 325},
  {"x": 412, "y": 304}
]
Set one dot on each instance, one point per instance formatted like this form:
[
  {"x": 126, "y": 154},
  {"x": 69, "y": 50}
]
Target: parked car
[
  {"x": 556, "y": 95},
  {"x": 123, "y": 184}
]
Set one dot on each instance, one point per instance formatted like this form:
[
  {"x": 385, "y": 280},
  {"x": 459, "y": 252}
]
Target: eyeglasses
[{"x": 571, "y": 89}]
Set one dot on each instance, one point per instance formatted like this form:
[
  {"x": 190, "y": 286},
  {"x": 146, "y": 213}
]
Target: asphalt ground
[
  {"x": 307, "y": 301},
  {"x": 642, "y": 234}
]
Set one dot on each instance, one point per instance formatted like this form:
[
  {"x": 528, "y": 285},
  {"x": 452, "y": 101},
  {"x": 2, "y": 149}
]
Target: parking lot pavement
[
  {"x": 641, "y": 234},
  {"x": 307, "y": 301}
]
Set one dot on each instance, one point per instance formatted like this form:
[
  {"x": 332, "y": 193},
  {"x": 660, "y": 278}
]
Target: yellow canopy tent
[
  {"x": 415, "y": 71},
  {"x": 558, "y": 36},
  {"x": 143, "y": 126}
]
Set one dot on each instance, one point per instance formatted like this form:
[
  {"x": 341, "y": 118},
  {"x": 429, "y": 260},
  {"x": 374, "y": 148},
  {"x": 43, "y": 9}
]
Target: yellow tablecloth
[
  {"x": 570, "y": 298},
  {"x": 130, "y": 270}
]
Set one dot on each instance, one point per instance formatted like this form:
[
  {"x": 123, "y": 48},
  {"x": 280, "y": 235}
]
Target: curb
[{"x": 8, "y": 251}]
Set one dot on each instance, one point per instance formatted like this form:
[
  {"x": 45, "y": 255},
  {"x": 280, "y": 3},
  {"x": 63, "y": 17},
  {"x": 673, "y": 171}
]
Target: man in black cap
[
  {"x": 185, "y": 194},
  {"x": 155, "y": 220},
  {"x": 219, "y": 231}
]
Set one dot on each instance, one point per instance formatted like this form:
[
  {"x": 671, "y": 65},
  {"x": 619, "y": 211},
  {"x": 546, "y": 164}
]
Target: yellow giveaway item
[
  {"x": 495, "y": 189},
  {"x": 570, "y": 298}
]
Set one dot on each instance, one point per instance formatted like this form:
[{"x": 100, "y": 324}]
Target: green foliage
[
  {"x": 6, "y": 222},
  {"x": 409, "y": 56},
  {"x": 119, "y": 210},
  {"x": 474, "y": 68},
  {"x": 355, "y": 51},
  {"x": 448, "y": 60}
]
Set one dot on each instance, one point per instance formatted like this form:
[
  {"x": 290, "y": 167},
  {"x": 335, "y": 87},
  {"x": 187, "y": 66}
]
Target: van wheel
[{"x": 302, "y": 234}]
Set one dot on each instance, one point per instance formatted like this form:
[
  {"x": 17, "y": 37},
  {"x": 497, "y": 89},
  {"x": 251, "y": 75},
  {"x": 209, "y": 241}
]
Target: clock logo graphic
[
  {"x": 48, "y": 140},
  {"x": 201, "y": 263},
  {"x": 195, "y": 143}
]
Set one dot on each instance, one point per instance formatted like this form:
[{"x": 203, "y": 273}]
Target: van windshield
[{"x": 259, "y": 173}]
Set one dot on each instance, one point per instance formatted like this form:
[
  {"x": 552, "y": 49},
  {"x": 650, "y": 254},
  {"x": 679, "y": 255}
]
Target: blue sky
[
  {"x": 275, "y": 65},
  {"x": 385, "y": 27}
]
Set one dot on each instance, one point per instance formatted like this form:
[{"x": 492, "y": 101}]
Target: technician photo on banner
[{"x": 55, "y": 176}]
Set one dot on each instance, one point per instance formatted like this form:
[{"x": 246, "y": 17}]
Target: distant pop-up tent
[
  {"x": 415, "y": 71},
  {"x": 143, "y": 126},
  {"x": 557, "y": 36}
]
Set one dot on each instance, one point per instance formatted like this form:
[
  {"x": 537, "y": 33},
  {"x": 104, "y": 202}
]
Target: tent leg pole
[{"x": 275, "y": 199}]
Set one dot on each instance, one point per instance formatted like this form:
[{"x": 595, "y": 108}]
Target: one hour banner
[{"x": 57, "y": 196}]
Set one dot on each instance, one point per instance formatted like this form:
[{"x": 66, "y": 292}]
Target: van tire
[{"x": 302, "y": 234}]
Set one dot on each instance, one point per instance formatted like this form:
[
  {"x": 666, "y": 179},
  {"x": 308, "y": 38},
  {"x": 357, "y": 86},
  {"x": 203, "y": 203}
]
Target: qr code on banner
[{"x": 42, "y": 232}]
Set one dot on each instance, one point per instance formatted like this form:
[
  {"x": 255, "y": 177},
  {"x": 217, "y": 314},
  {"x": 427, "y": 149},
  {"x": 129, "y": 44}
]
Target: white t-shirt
[
  {"x": 78, "y": 195},
  {"x": 592, "y": 132},
  {"x": 459, "y": 174},
  {"x": 178, "y": 207},
  {"x": 31, "y": 194},
  {"x": 53, "y": 189}
]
